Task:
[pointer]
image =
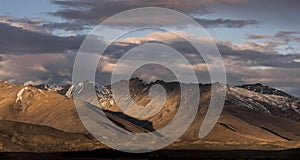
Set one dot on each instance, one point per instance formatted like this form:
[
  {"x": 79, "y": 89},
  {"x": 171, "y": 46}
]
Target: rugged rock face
[
  {"x": 270, "y": 104},
  {"x": 104, "y": 94},
  {"x": 250, "y": 120},
  {"x": 260, "y": 88}
]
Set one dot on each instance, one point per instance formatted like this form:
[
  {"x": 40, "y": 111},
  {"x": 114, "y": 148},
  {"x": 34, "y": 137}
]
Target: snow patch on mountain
[
  {"x": 42, "y": 92},
  {"x": 263, "y": 89},
  {"x": 69, "y": 92},
  {"x": 256, "y": 97},
  {"x": 33, "y": 83},
  {"x": 277, "y": 105},
  {"x": 19, "y": 94},
  {"x": 87, "y": 89},
  {"x": 54, "y": 88}
]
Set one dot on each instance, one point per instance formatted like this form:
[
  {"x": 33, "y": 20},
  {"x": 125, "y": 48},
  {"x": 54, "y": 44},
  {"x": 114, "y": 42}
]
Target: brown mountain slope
[
  {"x": 249, "y": 120},
  {"x": 44, "y": 107},
  {"x": 22, "y": 137},
  {"x": 38, "y": 107}
]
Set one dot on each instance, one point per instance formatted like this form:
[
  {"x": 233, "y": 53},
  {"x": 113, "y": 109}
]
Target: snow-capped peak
[
  {"x": 260, "y": 88},
  {"x": 288, "y": 107},
  {"x": 33, "y": 83}
]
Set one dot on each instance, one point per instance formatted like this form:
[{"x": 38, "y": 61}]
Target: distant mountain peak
[
  {"x": 264, "y": 89},
  {"x": 247, "y": 116}
]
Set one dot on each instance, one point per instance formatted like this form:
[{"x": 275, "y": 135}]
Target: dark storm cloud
[
  {"x": 256, "y": 58},
  {"x": 280, "y": 13},
  {"x": 94, "y": 12},
  {"x": 19, "y": 41},
  {"x": 225, "y": 23},
  {"x": 251, "y": 55},
  {"x": 52, "y": 68},
  {"x": 242, "y": 65}
]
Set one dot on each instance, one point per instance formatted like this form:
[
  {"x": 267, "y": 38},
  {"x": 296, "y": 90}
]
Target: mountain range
[{"x": 43, "y": 118}]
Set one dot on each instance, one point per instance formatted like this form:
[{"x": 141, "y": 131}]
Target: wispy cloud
[
  {"x": 24, "y": 23},
  {"x": 225, "y": 23}
]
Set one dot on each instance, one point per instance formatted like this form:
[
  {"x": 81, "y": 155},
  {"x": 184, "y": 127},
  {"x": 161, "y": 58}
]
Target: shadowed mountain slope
[
  {"x": 250, "y": 120},
  {"x": 22, "y": 137}
]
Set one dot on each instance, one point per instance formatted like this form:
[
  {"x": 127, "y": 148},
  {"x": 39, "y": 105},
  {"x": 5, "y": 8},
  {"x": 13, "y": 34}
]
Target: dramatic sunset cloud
[{"x": 259, "y": 40}]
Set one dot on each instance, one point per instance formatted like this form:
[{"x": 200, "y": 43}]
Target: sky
[{"x": 258, "y": 39}]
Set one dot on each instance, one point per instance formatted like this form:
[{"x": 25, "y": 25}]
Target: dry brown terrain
[
  {"x": 44, "y": 120},
  {"x": 22, "y": 137}
]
